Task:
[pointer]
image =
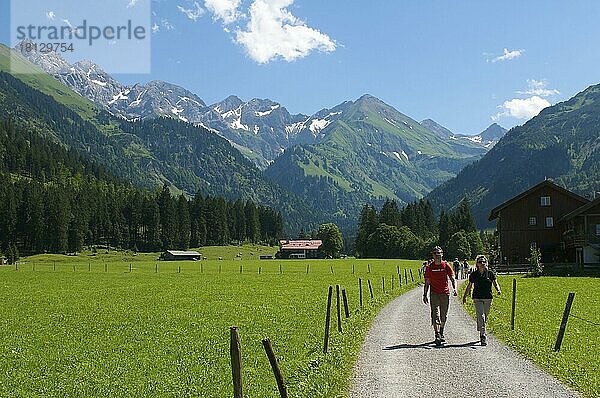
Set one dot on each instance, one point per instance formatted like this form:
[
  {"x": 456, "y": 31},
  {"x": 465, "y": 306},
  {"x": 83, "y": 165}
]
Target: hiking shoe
[
  {"x": 483, "y": 340},
  {"x": 438, "y": 340},
  {"x": 442, "y": 339}
]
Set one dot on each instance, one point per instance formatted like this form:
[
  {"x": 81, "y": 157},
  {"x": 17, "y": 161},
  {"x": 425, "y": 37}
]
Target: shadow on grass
[{"x": 431, "y": 344}]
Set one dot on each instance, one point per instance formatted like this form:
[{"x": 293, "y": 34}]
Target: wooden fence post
[
  {"x": 563, "y": 324},
  {"x": 129, "y": 267},
  {"x": 370, "y": 288},
  {"x": 236, "y": 362},
  {"x": 352, "y": 269},
  {"x": 275, "y": 366},
  {"x": 331, "y": 266},
  {"x": 405, "y": 276},
  {"x": 156, "y": 268},
  {"x": 241, "y": 269},
  {"x": 397, "y": 269},
  {"x": 339, "y": 308},
  {"x": 280, "y": 269},
  {"x": 514, "y": 303},
  {"x": 400, "y": 279},
  {"x": 369, "y": 267},
  {"x": 360, "y": 292},
  {"x": 307, "y": 265},
  {"x": 411, "y": 275},
  {"x": 327, "y": 320},
  {"x": 345, "y": 298},
  {"x": 383, "y": 284},
  {"x": 392, "y": 281}
]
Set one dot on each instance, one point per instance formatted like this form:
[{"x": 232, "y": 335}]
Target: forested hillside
[
  {"x": 54, "y": 200},
  {"x": 561, "y": 143}
]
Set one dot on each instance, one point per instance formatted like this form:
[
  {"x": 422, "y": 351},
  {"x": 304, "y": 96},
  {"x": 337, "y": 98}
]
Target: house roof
[
  {"x": 546, "y": 183},
  {"x": 183, "y": 253},
  {"x": 580, "y": 210},
  {"x": 300, "y": 244}
]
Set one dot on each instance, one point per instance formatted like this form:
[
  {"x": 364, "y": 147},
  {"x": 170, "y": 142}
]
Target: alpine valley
[{"x": 317, "y": 168}]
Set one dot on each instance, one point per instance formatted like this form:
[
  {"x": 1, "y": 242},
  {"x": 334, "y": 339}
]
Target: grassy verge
[
  {"x": 87, "y": 332},
  {"x": 539, "y": 310}
]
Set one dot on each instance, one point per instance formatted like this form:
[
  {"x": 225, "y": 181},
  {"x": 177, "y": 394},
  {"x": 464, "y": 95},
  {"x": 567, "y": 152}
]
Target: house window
[
  {"x": 532, "y": 220},
  {"x": 597, "y": 229},
  {"x": 549, "y": 222},
  {"x": 545, "y": 201}
]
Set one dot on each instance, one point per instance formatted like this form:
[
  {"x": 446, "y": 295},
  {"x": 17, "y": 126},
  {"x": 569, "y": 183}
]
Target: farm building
[
  {"x": 582, "y": 233},
  {"x": 176, "y": 255},
  {"x": 536, "y": 218},
  {"x": 300, "y": 249}
]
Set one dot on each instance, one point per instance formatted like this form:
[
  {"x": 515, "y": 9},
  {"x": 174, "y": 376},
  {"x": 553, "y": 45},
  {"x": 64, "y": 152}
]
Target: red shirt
[{"x": 438, "y": 277}]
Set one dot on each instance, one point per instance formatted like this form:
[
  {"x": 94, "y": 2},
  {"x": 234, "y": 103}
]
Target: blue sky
[{"x": 464, "y": 64}]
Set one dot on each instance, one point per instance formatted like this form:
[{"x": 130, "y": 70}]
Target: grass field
[
  {"x": 87, "y": 332},
  {"x": 539, "y": 310}
]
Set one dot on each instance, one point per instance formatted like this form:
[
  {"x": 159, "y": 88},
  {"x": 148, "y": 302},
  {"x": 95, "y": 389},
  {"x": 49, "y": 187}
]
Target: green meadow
[
  {"x": 540, "y": 303},
  {"x": 87, "y": 326}
]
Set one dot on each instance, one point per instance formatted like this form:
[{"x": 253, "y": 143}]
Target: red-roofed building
[{"x": 289, "y": 249}]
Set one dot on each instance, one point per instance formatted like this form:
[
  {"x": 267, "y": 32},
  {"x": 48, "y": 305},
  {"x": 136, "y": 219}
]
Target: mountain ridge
[{"x": 561, "y": 143}]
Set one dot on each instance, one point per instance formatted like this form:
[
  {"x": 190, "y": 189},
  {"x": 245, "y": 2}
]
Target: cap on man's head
[{"x": 437, "y": 249}]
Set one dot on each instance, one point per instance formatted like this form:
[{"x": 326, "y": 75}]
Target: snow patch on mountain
[{"x": 318, "y": 124}]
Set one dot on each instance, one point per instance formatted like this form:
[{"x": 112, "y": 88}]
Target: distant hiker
[
  {"x": 456, "y": 265},
  {"x": 483, "y": 279},
  {"x": 466, "y": 269},
  {"x": 437, "y": 273}
]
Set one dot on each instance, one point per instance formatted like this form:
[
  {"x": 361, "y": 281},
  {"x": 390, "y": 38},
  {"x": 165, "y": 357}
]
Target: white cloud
[
  {"x": 274, "y": 32},
  {"x": 132, "y": 3},
  {"x": 155, "y": 28},
  {"x": 507, "y": 55},
  {"x": 192, "y": 13},
  {"x": 225, "y": 10},
  {"x": 51, "y": 15},
  {"x": 521, "y": 108},
  {"x": 539, "y": 88}
]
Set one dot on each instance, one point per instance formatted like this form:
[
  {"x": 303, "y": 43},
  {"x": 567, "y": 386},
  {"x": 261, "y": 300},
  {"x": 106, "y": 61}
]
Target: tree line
[
  {"x": 412, "y": 231},
  {"x": 53, "y": 200}
]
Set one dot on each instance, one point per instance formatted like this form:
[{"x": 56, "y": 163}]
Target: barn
[
  {"x": 176, "y": 255},
  {"x": 300, "y": 249}
]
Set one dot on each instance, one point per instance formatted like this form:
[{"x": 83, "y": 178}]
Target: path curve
[{"x": 398, "y": 359}]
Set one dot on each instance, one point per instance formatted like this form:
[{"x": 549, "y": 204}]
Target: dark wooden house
[
  {"x": 581, "y": 233},
  {"x": 300, "y": 249},
  {"x": 176, "y": 255},
  {"x": 530, "y": 219}
]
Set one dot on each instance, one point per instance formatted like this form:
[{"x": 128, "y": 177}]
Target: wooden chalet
[
  {"x": 530, "y": 219},
  {"x": 300, "y": 249},
  {"x": 582, "y": 233},
  {"x": 176, "y": 255}
]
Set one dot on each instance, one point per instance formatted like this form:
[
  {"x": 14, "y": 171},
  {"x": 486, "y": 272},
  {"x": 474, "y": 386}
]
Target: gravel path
[{"x": 399, "y": 359}]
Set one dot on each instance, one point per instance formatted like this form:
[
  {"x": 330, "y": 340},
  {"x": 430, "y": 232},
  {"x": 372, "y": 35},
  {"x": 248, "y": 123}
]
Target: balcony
[{"x": 581, "y": 240}]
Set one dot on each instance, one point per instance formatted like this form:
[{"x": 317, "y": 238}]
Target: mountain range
[
  {"x": 322, "y": 167},
  {"x": 260, "y": 128}
]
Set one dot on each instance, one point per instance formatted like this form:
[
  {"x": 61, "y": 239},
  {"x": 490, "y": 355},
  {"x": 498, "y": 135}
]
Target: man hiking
[{"x": 437, "y": 273}]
